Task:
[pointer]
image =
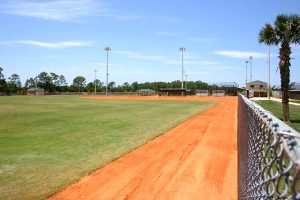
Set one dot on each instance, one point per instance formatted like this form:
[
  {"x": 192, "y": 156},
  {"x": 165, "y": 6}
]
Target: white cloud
[
  {"x": 61, "y": 10},
  {"x": 241, "y": 54},
  {"x": 164, "y": 59},
  {"x": 51, "y": 45}
]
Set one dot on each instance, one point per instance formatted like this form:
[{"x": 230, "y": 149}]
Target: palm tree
[{"x": 284, "y": 32}]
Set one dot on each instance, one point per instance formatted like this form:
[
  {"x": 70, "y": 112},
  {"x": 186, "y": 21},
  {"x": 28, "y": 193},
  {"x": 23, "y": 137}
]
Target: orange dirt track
[{"x": 195, "y": 160}]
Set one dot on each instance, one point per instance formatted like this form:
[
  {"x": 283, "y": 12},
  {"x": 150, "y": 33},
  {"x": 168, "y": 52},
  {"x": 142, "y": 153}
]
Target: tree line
[{"x": 52, "y": 82}]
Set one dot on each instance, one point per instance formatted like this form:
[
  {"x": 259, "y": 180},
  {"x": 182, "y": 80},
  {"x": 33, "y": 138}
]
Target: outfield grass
[
  {"x": 47, "y": 143},
  {"x": 276, "y": 109}
]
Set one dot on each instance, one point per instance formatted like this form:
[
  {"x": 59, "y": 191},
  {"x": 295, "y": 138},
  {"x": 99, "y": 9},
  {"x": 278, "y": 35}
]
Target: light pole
[
  {"x": 107, "y": 49},
  {"x": 250, "y": 59},
  {"x": 186, "y": 75},
  {"x": 246, "y": 73},
  {"x": 182, "y": 49},
  {"x": 269, "y": 88},
  {"x": 95, "y": 82}
]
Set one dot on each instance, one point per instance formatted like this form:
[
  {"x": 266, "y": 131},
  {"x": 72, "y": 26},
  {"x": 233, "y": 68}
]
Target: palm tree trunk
[{"x": 284, "y": 66}]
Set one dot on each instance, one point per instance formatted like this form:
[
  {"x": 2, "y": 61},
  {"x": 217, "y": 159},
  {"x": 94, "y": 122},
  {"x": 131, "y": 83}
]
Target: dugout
[
  {"x": 202, "y": 93},
  {"x": 218, "y": 93},
  {"x": 174, "y": 92},
  {"x": 35, "y": 91},
  {"x": 146, "y": 92}
]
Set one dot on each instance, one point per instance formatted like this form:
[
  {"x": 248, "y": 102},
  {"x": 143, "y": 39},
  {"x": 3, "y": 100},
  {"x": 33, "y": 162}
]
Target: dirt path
[{"x": 195, "y": 160}]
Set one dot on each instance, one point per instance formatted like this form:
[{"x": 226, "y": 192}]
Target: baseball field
[{"x": 47, "y": 143}]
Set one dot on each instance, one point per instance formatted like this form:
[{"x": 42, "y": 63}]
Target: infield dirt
[{"x": 195, "y": 160}]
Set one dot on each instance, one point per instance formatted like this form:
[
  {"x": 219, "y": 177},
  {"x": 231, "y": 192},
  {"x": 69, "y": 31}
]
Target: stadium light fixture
[
  {"x": 107, "y": 49},
  {"x": 95, "y": 82},
  {"x": 182, "y": 49},
  {"x": 250, "y": 60}
]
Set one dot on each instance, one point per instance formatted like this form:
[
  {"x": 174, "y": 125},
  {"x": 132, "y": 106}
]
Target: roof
[
  {"x": 258, "y": 81},
  {"x": 295, "y": 86},
  {"x": 35, "y": 89},
  {"x": 225, "y": 84}
]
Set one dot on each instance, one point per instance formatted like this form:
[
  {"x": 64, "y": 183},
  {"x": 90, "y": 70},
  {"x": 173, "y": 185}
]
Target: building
[
  {"x": 35, "y": 91},
  {"x": 294, "y": 90},
  {"x": 257, "y": 88}
]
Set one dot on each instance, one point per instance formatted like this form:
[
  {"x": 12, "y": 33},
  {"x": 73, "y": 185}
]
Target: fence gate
[{"x": 268, "y": 155}]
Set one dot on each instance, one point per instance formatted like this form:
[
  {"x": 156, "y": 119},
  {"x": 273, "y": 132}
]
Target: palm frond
[
  {"x": 295, "y": 29},
  {"x": 282, "y": 26},
  {"x": 267, "y": 35}
]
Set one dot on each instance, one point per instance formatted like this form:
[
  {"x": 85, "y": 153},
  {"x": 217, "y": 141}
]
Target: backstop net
[
  {"x": 218, "y": 93},
  {"x": 268, "y": 155}
]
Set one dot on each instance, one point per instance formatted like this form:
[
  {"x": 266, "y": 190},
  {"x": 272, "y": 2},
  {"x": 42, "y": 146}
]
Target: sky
[{"x": 68, "y": 37}]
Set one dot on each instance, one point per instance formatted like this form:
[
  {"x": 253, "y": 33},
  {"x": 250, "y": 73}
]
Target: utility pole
[
  {"x": 95, "y": 82},
  {"x": 250, "y": 58},
  {"x": 107, "y": 49},
  {"x": 182, "y": 49}
]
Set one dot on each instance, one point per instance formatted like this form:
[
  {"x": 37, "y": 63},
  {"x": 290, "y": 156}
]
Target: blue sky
[{"x": 69, "y": 36}]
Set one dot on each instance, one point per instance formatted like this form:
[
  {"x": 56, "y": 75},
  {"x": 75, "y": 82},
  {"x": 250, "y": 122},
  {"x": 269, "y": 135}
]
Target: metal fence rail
[{"x": 268, "y": 155}]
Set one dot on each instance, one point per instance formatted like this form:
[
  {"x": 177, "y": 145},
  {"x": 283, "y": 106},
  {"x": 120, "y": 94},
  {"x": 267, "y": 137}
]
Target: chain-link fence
[{"x": 268, "y": 154}]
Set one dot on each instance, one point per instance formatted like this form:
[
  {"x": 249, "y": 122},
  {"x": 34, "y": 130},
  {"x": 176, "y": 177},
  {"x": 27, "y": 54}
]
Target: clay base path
[{"x": 195, "y": 160}]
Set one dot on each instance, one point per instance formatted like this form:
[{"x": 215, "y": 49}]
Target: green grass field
[
  {"x": 46, "y": 143},
  {"x": 295, "y": 101},
  {"x": 276, "y": 109}
]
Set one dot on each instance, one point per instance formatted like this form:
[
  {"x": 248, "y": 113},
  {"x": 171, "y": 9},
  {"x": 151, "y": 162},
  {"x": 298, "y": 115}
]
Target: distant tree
[
  {"x": 54, "y": 80},
  {"x": 73, "y": 88},
  {"x": 79, "y": 82},
  {"x": 126, "y": 87},
  {"x": 176, "y": 84},
  {"x": 3, "y": 85},
  {"x": 1, "y": 73},
  {"x": 111, "y": 86},
  {"x": 90, "y": 87},
  {"x": 15, "y": 79},
  {"x": 62, "y": 83},
  {"x": 29, "y": 83},
  {"x": 99, "y": 83},
  {"x": 134, "y": 86},
  {"x": 15, "y": 84},
  {"x": 284, "y": 32},
  {"x": 44, "y": 80}
]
